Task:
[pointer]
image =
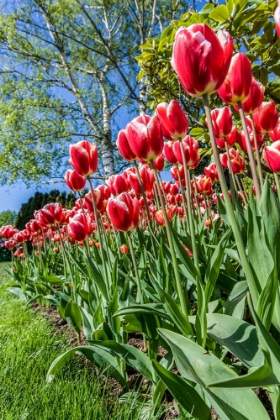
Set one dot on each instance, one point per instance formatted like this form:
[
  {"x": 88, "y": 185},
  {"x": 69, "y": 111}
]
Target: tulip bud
[
  {"x": 201, "y": 59},
  {"x": 173, "y": 121},
  {"x": 255, "y": 98},
  {"x": 117, "y": 184},
  {"x": 74, "y": 180},
  {"x": 237, "y": 161},
  {"x": 123, "y": 211},
  {"x": 275, "y": 134},
  {"x": 159, "y": 163},
  {"x": 190, "y": 147},
  {"x": 80, "y": 226},
  {"x": 124, "y": 249},
  {"x": 237, "y": 84},
  {"x": 145, "y": 137},
  {"x": 271, "y": 155},
  {"x": 124, "y": 148},
  {"x": 266, "y": 118},
  {"x": 84, "y": 157},
  {"x": 204, "y": 185},
  {"x": 211, "y": 172},
  {"x": 222, "y": 121},
  {"x": 169, "y": 152}
]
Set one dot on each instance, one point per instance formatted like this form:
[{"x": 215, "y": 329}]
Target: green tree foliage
[
  {"x": 68, "y": 72},
  {"x": 38, "y": 201},
  {"x": 7, "y": 217}
]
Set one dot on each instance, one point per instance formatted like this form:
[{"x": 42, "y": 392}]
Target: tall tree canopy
[{"x": 67, "y": 72}]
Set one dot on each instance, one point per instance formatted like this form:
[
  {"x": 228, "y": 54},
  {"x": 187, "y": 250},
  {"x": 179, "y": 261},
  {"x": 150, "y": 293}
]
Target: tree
[
  {"x": 7, "y": 217},
  {"x": 67, "y": 72}
]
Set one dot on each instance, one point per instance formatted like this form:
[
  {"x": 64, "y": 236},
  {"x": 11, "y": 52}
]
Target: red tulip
[
  {"x": 190, "y": 146},
  {"x": 50, "y": 214},
  {"x": 266, "y": 118},
  {"x": 21, "y": 236},
  {"x": 275, "y": 134},
  {"x": 145, "y": 137},
  {"x": 147, "y": 178},
  {"x": 242, "y": 141},
  {"x": 237, "y": 161},
  {"x": 271, "y": 155},
  {"x": 33, "y": 226},
  {"x": 277, "y": 19},
  {"x": 117, "y": 184},
  {"x": 173, "y": 189},
  {"x": 124, "y": 147},
  {"x": 211, "y": 172},
  {"x": 123, "y": 212},
  {"x": 173, "y": 121},
  {"x": 159, "y": 217},
  {"x": 230, "y": 139},
  {"x": 124, "y": 249},
  {"x": 74, "y": 180},
  {"x": 169, "y": 152},
  {"x": 159, "y": 163},
  {"x": 237, "y": 84},
  {"x": 84, "y": 157},
  {"x": 222, "y": 121},
  {"x": 255, "y": 98},
  {"x": 201, "y": 59},
  {"x": 204, "y": 185},
  {"x": 80, "y": 226},
  {"x": 10, "y": 244},
  {"x": 178, "y": 171},
  {"x": 8, "y": 231}
]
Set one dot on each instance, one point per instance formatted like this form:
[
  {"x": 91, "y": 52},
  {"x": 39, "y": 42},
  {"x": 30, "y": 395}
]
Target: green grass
[{"x": 28, "y": 345}]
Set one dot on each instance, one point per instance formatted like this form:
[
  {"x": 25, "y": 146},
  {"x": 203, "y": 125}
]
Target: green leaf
[
  {"x": 73, "y": 316},
  {"x": 220, "y": 13},
  {"x": 235, "y": 304},
  {"x": 204, "y": 368},
  {"x": 98, "y": 278},
  {"x": 184, "y": 393}
]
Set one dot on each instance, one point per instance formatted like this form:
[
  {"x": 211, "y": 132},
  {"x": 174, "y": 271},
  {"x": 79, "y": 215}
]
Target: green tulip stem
[
  {"x": 98, "y": 231},
  {"x": 258, "y": 157},
  {"x": 131, "y": 249},
  {"x": 231, "y": 174},
  {"x": 179, "y": 287},
  {"x": 250, "y": 153},
  {"x": 235, "y": 228},
  {"x": 142, "y": 191},
  {"x": 190, "y": 208},
  {"x": 183, "y": 199},
  {"x": 277, "y": 185}
]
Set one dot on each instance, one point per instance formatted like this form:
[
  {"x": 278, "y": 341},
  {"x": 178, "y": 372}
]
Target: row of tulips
[{"x": 192, "y": 265}]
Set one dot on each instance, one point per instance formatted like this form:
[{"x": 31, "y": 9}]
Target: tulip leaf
[
  {"x": 97, "y": 356},
  {"x": 184, "y": 393},
  {"x": 238, "y": 336},
  {"x": 73, "y": 316},
  {"x": 220, "y": 13},
  {"x": 235, "y": 304},
  {"x": 199, "y": 366},
  {"x": 98, "y": 278}
]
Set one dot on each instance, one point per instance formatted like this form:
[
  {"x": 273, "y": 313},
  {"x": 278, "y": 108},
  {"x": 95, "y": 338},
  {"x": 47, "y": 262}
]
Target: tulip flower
[
  {"x": 222, "y": 121},
  {"x": 33, "y": 226},
  {"x": 22, "y": 236},
  {"x": 271, "y": 155},
  {"x": 74, "y": 180},
  {"x": 117, "y": 184},
  {"x": 204, "y": 185},
  {"x": 124, "y": 249},
  {"x": 159, "y": 163},
  {"x": 190, "y": 146},
  {"x": 8, "y": 231},
  {"x": 147, "y": 177},
  {"x": 177, "y": 172},
  {"x": 266, "y": 118},
  {"x": 275, "y": 134},
  {"x": 201, "y": 59},
  {"x": 124, "y": 147},
  {"x": 237, "y": 85},
  {"x": 84, "y": 157},
  {"x": 237, "y": 161},
  {"x": 277, "y": 19},
  {"x": 169, "y": 153},
  {"x": 145, "y": 138},
  {"x": 173, "y": 190},
  {"x": 255, "y": 98},
  {"x": 80, "y": 226},
  {"x": 123, "y": 211},
  {"x": 242, "y": 141},
  {"x": 10, "y": 244},
  {"x": 211, "y": 172},
  {"x": 50, "y": 214},
  {"x": 173, "y": 121}
]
